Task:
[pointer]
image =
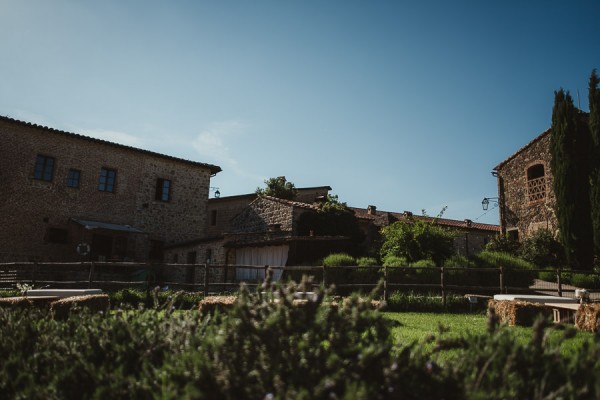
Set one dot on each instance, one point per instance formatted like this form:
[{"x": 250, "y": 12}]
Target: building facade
[
  {"x": 525, "y": 196},
  {"x": 72, "y": 197}
]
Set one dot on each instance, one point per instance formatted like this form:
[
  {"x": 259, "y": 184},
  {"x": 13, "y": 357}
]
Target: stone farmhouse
[
  {"x": 252, "y": 230},
  {"x": 471, "y": 239},
  {"x": 525, "y": 195},
  {"x": 72, "y": 197}
]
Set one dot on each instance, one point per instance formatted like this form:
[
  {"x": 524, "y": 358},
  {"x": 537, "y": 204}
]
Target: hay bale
[
  {"x": 515, "y": 312},
  {"x": 94, "y": 302},
  {"x": 587, "y": 318},
  {"x": 22, "y": 302},
  {"x": 210, "y": 304}
]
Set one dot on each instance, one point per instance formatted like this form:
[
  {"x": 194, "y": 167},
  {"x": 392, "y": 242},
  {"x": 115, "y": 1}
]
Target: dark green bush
[
  {"x": 543, "y": 250},
  {"x": 151, "y": 298},
  {"x": 265, "y": 349}
]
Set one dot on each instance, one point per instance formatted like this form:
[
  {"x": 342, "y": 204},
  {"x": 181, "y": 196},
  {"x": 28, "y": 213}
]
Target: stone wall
[
  {"x": 264, "y": 214},
  {"x": 520, "y": 213},
  {"x": 34, "y": 209}
]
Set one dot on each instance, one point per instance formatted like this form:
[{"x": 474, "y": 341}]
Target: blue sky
[{"x": 405, "y": 105}]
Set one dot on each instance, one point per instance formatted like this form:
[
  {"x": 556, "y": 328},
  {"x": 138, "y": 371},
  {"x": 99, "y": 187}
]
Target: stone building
[
  {"x": 64, "y": 189},
  {"x": 253, "y": 230},
  {"x": 525, "y": 195},
  {"x": 472, "y": 236}
]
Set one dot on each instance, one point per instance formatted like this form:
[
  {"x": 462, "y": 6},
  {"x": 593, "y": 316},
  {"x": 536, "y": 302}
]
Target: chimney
[{"x": 371, "y": 210}]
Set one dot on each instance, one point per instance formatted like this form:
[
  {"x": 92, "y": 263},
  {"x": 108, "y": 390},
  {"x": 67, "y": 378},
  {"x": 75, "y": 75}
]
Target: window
[
  {"x": 213, "y": 217},
  {"x": 73, "y": 178},
  {"x": 163, "y": 190},
  {"x": 536, "y": 183},
  {"x": 108, "y": 179},
  {"x": 44, "y": 168}
]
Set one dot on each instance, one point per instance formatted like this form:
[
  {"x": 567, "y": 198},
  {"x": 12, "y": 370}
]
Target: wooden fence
[{"x": 221, "y": 278}]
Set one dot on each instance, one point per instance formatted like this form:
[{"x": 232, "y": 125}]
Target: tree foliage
[
  {"x": 594, "y": 123},
  {"x": 417, "y": 239},
  {"x": 569, "y": 146},
  {"x": 278, "y": 187},
  {"x": 543, "y": 250}
]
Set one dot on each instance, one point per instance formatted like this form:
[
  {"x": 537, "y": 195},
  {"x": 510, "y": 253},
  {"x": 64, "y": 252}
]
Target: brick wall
[{"x": 32, "y": 208}]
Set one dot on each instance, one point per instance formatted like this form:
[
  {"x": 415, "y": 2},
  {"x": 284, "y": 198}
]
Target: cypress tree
[
  {"x": 570, "y": 149},
  {"x": 594, "y": 124}
]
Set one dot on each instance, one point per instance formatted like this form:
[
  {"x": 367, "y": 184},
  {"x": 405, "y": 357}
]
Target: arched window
[{"x": 536, "y": 183}]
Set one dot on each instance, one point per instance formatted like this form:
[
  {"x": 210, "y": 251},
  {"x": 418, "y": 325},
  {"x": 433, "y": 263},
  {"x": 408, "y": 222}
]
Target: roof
[
  {"x": 213, "y": 168},
  {"x": 87, "y": 224},
  {"x": 252, "y": 196},
  {"x": 537, "y": 139},
  {"x": 386, "y": 217},
  {"x": 292, "y": 203}
]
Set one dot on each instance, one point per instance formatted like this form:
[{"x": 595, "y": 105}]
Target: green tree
[
  {"x": 594, "y": 123},
  {"x": 543, "y": 250},
  {"x": 417, "y": 239},
  {"x": 278, "y": 187},
  {"x": 570, "y": 146}
]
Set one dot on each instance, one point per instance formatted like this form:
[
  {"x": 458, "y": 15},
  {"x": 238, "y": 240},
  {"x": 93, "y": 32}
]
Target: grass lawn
[{"x": 416, "y": 327}]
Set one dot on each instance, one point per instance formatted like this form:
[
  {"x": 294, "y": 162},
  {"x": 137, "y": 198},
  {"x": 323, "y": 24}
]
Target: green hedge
[{"x": 264, "y": 349}]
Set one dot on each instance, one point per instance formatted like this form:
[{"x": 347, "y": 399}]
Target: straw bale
[
  {"x": 515, "y": 312},
  {"x": 94, "y": 302},
  {"x": 26, "y": 302},
  {"x": 587, "y": 318},
  {"x": 210, "y": 304}
]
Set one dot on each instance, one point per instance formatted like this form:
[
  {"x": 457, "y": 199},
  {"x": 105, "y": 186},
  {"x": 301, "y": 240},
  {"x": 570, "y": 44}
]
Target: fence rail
[{"x": 214, "y": 278}]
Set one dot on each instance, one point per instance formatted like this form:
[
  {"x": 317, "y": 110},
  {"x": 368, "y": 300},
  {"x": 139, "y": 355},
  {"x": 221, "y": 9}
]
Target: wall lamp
[
  {"x": 486, "y": 202},
  {"x": 217, "y": 193}
]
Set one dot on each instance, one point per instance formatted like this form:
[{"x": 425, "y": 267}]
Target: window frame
[
  {"x": 107, "y": 183},
  {"x": 163, "y": 190},
  {"x": 536, "y": 189},
  {"x": 41, "y": 170},
  {"x": 71, "y": 181}
]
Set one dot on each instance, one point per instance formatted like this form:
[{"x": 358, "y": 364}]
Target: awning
[{"x": 106, "y": 225}]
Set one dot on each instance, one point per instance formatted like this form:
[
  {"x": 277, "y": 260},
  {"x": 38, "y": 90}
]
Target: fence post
[
  {"x": 559, "y": 282},
  {"x": 502, "y": 289},
  {"x": 324, "y": 276},
  {"x": 385, "y": 282},
  {"x": 443, "y": 287},
  {"x": 206, "y": 279},
  {"x": 91, "y": 275},
  {"x": 33, "y": 272}
]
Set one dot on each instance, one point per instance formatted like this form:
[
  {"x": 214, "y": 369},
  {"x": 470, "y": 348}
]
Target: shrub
[
  {"x": 503, "y": 244},
  {"x": 394, "y": 261},
  {"x": 585, "y": 281},
  {"x": 425, "y": 302},
  {"x": 423, "y": 263},
  {"x": 418, "y": 238},
  {"x": 459, "y": 262},
  {"x": 339, "y": 260},
  {"x": 366, "y": 261}
]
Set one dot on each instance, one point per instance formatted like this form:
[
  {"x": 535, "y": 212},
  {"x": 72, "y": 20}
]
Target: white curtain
[{"x": 273, "y": 256}]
